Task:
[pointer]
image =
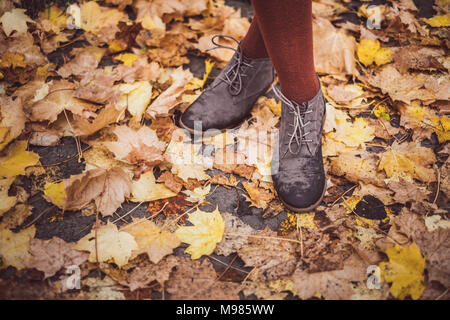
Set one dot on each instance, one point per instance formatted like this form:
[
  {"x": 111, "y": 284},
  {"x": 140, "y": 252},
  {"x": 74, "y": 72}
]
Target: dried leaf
[
  {"x": 50, "y": 256},
  {"x": 14, "y": 247},
  {"x": 151, "y": 239},
  {"x": 17, "y": 159},
  {"x": 109, "y": 243},
  {"x": 146, "y": 189},
  {"x": 108, "y": 188},
  {"x": 136, "y": 146}
]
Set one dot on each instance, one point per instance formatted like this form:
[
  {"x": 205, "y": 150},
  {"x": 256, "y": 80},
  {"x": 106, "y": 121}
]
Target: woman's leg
[
  {"x": 253, "y": 45},
  {"x": 286, "y": 27}
]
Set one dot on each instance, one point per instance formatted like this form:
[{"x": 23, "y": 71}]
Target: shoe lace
[
  {"x": 298, "y": 111},
  {"x": 233, "y": 77}
]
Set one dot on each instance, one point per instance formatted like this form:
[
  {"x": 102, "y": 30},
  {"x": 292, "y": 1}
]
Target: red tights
[{"x": 282, "y": 30}]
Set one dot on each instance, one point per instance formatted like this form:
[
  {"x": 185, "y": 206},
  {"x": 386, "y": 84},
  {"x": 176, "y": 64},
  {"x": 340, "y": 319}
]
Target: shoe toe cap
[
  {"x": 188, "y": 119},
  {"x": 301, "y": 194}
]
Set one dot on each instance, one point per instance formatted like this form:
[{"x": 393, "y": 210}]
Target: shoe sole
[
  {"x": 311, "y": 207},
  {"x": 316, "y": 204},
  {"x": 205, "y": 133}
]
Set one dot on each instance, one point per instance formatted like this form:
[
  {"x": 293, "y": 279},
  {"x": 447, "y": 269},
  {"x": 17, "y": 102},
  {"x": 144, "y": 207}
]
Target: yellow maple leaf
[
  {"x": 6, "y": 202},
  {"x": 294, "y": 220},
  {"x": 15, "y": 20},
  {"x": 56, "y": 16},
  {"x": 353, "y": 134},
  {"x": 116, "y": 46},
  {"x": 408, "y": 160},
  {"x": 153, "y": 23},
  {"x": 370, "y": 51},
  {"x": 14, "y": 247},
  {"x": 111, "y": 244},
  {"x": 128, "y": 59},
  {"x": 12, "y": 59},
  {"x": 306, "y": 220},
  {"x": 53, "y": 19},
  {"x": 439, "y": 20},
  {"x": 136, "y": 97},
  {"x": 207, "y": 230},
  {"x": 405, "y": 271},
  {"x": 55, "y": 193},
  {"x": 382, "y": 111},
  {"x": 146, "y": 189},
  {"x": 95, "y": 17},
  {"x": 17, "y": 159},
  {"x": 151, "y": 239},
  {"x": 442, "y": 128}
]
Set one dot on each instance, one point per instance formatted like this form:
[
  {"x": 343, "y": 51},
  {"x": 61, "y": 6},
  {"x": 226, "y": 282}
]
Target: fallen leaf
[
  {"x": 146, "y": 189},
  {"x": 331, "y": 285},
  {"x": 60, "y": 98},
  {"x": 15, "y": 20},
  {"x": 435, "y": 222},
  {"x": 109, "y": 114},
  {"x": 207, "y": 230},
  {"x": 136, "y": 146},
  {"x": 51, "y": 255},
  {"x": 405, "y": 270},
  {"x": 152, "y": 240},
  {"x": 334, "y": 49},
  {"x": 12, "y": 120},
  {"x": 6, "y": 202},
  {"x": 258, "y": 197},
  {"x": 108, "y": 189},
  {"x": 273, "y": 256},
  {"x": 136, "y": 97},
  {"x": 55, "y": 193},
  {"x": 170, "y": 181},
  {"x": 197, "y": 280},
  {"x": 14, "y": 247},
  {"x": 370, "y": 51},
  {"x": 17, "y": 159},
  {"x": 168, "y": 99},
  {"x": 85, "y": 61},
  {"x": 94, "y": 18},
  {"x": 198, "y": 195},
  {"x": 141, "y": 276},
  {"x": 236, "y": 235},
  {"x": 109, "y": 243},
  {"x": 408, "y": 160}
]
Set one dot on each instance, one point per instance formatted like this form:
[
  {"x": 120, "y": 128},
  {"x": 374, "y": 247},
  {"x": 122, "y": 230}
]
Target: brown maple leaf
[
  {"x": 50, "y": 256},
  {"x": 332, "y": 285},
  {"x": 136, "y": 146},
  {"x": 195, "y": 280},
  {"x": 109, "y": 114},
  {"x": 170, "y": 181},
  {"x": 60, "y": 97},
  {"x": 170, "y": 206},
  {"x": 273, "y": 257},
  {"x": 107, "y": 188}
]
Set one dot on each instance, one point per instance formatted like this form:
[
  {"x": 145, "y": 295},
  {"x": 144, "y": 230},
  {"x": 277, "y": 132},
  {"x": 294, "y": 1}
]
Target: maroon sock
[
  {"x": 253, "y": 44},
  {"x": 286, "y": 28}
]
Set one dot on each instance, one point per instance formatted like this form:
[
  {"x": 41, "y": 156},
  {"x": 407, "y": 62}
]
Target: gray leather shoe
[
  {"x": 297, "y": 166},
  {"x": 231, "y": 96}
]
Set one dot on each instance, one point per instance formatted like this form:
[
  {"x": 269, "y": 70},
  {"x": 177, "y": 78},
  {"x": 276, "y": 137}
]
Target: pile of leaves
[{"x": 111, "y": 77}]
